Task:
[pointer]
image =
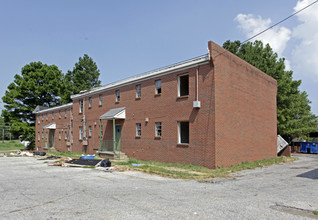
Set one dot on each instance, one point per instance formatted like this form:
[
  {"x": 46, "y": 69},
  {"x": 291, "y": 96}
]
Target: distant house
[{"x": 213, "y": 110}]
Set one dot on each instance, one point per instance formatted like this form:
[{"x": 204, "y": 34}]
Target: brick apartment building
[{"x": 214, "y": 110}]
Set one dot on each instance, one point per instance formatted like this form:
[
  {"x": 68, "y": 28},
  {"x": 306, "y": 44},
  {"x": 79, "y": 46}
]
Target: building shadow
[{"x": 313, "y": 174}]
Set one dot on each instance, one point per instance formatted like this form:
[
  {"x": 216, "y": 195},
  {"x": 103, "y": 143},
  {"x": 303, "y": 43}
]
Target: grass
[
  {"x": 315, "y": 212},
  {"x": 181, "y": 171},
  {"x": 10, "y": 146}
]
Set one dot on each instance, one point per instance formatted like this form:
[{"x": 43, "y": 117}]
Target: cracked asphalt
[{"x": 30, "y": 189}]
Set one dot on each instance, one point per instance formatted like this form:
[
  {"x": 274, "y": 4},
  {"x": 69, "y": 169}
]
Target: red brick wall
[
  {"x": 245, "y": 110},
  {"x": 63, "y": 125},
  {"x": 166, "y": 108}
]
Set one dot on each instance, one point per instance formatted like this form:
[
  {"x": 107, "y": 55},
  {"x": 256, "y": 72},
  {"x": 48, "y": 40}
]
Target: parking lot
[{"x": 30, "y": 189}]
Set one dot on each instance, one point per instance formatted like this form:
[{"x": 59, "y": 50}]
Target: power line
[
  {"x": 273, "y": 25},
  {"x": 279, "y": 22}
]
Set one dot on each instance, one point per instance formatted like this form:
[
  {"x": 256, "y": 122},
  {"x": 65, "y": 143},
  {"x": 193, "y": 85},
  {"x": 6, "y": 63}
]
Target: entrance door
[
  {"x": 118, "y": 137},
  {"x": 51, "y": 137}
]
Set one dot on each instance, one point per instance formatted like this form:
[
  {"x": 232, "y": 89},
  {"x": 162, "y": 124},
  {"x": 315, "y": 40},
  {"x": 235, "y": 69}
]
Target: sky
[{"x": 127, "y": 37}]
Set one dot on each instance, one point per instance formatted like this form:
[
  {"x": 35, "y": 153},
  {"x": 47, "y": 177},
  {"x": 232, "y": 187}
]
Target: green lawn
[{"x": 10, "y": 146}]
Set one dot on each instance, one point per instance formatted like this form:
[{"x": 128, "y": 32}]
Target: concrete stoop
[{"x": 118, "y": 156}]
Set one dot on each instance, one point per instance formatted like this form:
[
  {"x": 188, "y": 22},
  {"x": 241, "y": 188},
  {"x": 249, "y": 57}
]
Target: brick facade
[{"x": 236, "y": 120}]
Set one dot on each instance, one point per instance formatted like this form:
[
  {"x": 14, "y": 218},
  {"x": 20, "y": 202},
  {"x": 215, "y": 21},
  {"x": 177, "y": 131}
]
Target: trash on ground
[
  {"x": 137, "y": 165},
  {"x": 82, "y": 162},
  {"x": 51, "y": 158},
  {"x": 106, "y": 169},
  {"x": 35, "y": 153},
  {"x": 88, "y": 157},
  {"x": 26, "y": 153},
  {"x": 106, "y": 163}
]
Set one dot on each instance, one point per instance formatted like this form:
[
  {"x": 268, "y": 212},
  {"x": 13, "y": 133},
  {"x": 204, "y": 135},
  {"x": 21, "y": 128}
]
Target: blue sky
[{"x": 126, "y": 38}]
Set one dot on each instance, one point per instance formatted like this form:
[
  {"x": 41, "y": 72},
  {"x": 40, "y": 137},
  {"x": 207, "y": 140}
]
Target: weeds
[{"x": 188, "y": 171}]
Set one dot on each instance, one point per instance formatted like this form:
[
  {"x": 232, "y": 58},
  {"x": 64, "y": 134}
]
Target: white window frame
[
  {"x": 89, "y": 102},
  {"x": 138, "y": 129},
  {"x": 81, "y": 132},
  {"x": 158, "y": 126},
  {"x": 138, "y": 91},
  {"x": 179, "y": 86},
  {"x": 81, "y": 106},
  {"x": 158, "y": 86},
  {"x": 117, "y": 92},
  {"x": 90, "y": 131},
  {"x": 100, "y": 99},
  {"x": 179, "y": 132}
]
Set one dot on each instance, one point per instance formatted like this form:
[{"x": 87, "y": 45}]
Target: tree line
[{"x": 46, "y": 85}]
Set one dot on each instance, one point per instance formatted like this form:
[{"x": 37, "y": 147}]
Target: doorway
[{"x": 118, "y": 137}]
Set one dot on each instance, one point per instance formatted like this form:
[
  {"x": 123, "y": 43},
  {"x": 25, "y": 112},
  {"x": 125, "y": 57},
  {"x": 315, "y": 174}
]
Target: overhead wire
[{"x": 300, "y": 10}]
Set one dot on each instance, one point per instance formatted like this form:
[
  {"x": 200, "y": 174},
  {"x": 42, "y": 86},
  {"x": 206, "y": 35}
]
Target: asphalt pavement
[{"x": 30, "y": 189}]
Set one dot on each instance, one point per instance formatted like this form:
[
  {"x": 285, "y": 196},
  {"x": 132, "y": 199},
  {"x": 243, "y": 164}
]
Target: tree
[
  {"x": 84, "y": 76},
  {"x": 294, "y": 117},
  {"x": 38, "y": 84}
]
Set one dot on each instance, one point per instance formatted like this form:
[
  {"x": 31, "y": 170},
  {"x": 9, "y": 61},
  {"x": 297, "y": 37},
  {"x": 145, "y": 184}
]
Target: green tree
[
  {"x": 38, "y": 84},
  {"x": 294, "y": 117},
  {"x": 84, "y": 76}
]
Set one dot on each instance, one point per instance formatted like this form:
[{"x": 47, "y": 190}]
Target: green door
[{"x": 118, "y": 137}]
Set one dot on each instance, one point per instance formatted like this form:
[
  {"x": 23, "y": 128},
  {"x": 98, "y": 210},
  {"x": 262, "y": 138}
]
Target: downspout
[
  {"x": 197, "y": 103},
  {"x": 100, "y": 135},
  {"x": 114, "y": 136},
  {"x": 197, "y": 84}
]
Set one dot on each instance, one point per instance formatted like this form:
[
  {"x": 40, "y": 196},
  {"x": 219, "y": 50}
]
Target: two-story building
[{"x": 213, "y": 110}]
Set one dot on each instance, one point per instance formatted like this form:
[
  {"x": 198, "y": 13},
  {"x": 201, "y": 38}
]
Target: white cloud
[
  {"x": 276, "y": 37},
  {"x": 305, "y": 54}
]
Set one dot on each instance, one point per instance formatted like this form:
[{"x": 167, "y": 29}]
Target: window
[
  {"x": 100, "y": 99},
  {"x": 183, "y": 85},
  {"x": 158, "y": 129},
  {"x": 81, "y": 133},
  {"x": 59, "y": 114},
  {"x": 183, "y": 132},
  {"x": 117, "y": 95},
  {"x": 138, "y": 129},
  {"x": 42, "y": 117},
  {"x": 65, "y": 113},
  {"x": 38, "y": 136},
  {"x": 52, "y": 115},
  {"x": 138, "y": 91},
  {"x": 38, "y": 119},
  {"x": 65, "y": 135},
  {"x": 59, "y": 135},
  {"x": 90, "y": 131},
  {"x": 47, "y": 116},
  {"x": 158, "y": 86},
  {"x": 80, "y": 106},
  {"x": 90, "y": 102}
]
